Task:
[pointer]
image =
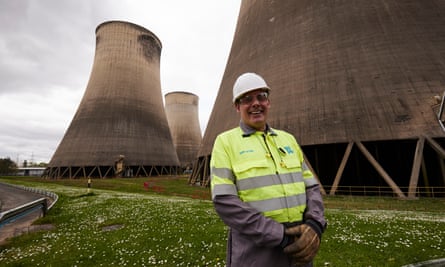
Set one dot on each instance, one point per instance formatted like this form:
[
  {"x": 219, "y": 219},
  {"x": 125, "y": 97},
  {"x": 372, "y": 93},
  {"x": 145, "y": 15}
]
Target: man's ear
[{"x": 236, "y": 105}]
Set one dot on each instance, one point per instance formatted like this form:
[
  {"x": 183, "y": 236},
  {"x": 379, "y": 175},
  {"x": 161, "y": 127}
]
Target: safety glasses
[{"x": 248, "y": 99}]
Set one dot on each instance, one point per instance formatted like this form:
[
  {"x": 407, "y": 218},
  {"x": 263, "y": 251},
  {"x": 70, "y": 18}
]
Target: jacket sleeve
[
  {"x": 314, "y": 207},
  {"x": 247, "y": 221},
  {"x": 314, "y": 202}
]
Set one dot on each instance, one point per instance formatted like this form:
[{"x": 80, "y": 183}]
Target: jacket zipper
[
  {"x": 270, "y": 153},
  {"x": 277, "y": 173}
]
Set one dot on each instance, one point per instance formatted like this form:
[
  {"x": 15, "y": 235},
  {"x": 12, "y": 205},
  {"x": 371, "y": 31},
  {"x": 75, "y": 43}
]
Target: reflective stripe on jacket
[{"x": 265, "y": 170}]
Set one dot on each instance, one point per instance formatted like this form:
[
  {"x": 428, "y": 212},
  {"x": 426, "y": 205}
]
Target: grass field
[{"x": 166, "y": 222}]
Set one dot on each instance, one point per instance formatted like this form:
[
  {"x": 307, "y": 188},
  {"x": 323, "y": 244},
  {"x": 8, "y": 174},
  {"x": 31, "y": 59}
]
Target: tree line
[{"x": 7, "y": 166}]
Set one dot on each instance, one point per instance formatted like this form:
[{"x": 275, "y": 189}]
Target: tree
[{"x": 7, "y": 166}]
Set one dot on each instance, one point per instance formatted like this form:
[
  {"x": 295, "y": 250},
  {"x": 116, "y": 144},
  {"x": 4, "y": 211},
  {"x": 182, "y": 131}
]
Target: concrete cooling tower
[
  {"x": 120, "y": 127},
  {"x": 182, "y": 116},
  {"x": 354, "y": 81}
]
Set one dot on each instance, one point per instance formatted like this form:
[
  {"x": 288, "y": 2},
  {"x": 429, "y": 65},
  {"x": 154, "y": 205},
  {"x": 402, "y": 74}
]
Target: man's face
[{"x": 253, "y": 108}]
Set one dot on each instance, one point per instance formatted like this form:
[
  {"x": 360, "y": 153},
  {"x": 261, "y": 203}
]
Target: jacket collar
[{"x": 248, "y": 131}]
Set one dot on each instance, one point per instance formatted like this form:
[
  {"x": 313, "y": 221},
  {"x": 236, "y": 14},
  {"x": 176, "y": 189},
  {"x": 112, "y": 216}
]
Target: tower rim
[
  {"x": 181, "y": 92},
  {"x": 131, "y": 24}
]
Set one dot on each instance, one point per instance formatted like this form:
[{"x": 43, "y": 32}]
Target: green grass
[{"x": 170, "y": 223}]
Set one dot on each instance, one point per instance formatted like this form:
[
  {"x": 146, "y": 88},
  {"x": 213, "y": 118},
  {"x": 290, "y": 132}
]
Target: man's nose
[{"x": 255, "y": 101}]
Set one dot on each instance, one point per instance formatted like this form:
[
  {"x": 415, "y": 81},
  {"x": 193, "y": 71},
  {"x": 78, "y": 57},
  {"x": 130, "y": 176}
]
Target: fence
[
  {"x": 436, "y": 191},
  {"x": 44, "y": 203}
]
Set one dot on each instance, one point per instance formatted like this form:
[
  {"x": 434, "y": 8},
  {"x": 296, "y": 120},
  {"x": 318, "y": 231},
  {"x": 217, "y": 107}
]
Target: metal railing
[
  {"x": 44, "y": 203},
  {"x": 23, "y": 210},
  {"x": 380, "y": 191}
]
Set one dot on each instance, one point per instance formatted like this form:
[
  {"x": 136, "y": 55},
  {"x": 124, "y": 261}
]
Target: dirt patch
[
  {"x": 112, "y": 227},
  {"x": 11, "y": 231}
]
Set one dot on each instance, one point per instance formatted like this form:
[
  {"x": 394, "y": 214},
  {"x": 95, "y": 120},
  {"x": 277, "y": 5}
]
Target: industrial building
[
  {"x": 120, "y": 128},
  {"x": 356, "y": 82},
  {"x": 182, "y": 116}
]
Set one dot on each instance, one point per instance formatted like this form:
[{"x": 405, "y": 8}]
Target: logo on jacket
[
  {"x": 288, "y": 150},
  {"x": 246, "y": 151}
]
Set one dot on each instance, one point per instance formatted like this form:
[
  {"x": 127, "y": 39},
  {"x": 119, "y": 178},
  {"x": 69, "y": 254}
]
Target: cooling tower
[
  {"x": 182, "y": 116},
  {"x": 354, "y": 81},
  {"x": 120, "y": 127}
]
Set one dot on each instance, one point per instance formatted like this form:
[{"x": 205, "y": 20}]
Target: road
[{"x": 12, "y": 197}]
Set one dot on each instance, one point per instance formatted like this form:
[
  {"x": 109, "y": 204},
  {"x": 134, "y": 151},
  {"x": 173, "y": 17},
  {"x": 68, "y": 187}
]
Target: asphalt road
[{"x": 11, "y": 197}]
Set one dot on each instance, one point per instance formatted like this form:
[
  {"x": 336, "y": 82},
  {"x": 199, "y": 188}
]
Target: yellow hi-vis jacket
[{"x": 265, "y": 170}]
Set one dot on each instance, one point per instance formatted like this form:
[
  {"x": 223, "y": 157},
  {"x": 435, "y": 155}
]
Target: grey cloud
[{"x": 45, "y": 43}]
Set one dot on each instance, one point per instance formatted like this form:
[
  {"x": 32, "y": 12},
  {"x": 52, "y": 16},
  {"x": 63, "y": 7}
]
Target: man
[{"x": 262, "y": 189}]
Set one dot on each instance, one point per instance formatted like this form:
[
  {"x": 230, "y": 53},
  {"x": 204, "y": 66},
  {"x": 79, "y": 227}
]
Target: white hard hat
[{"x": 248, "y": 82}]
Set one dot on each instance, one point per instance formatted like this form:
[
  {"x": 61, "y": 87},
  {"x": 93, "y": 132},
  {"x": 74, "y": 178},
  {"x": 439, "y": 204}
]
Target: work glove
[{"x": 306, "y": 242}]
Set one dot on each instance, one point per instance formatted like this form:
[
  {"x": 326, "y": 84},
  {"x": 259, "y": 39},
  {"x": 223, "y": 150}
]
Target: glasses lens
[
  {"x": 248, "y": 99},
  {"x": 262, "y": 96}
]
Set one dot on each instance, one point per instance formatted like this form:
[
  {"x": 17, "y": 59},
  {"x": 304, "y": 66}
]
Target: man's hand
[{"x": 305, "y": 245}]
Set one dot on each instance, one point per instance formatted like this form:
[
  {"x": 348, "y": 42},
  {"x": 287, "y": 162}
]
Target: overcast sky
[{"x": 47, "y": 50}]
